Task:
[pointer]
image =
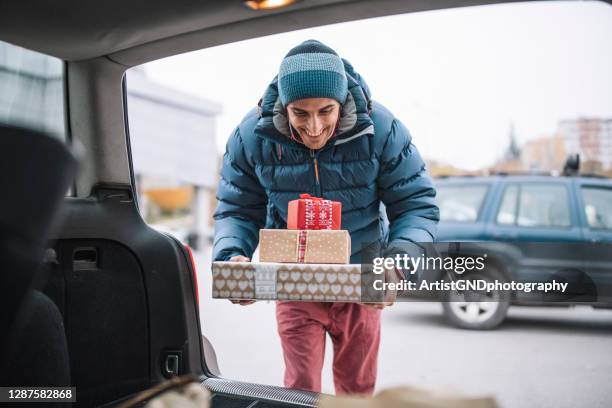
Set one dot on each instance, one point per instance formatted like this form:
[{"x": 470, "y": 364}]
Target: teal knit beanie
[{"x": 312, "y": 70}]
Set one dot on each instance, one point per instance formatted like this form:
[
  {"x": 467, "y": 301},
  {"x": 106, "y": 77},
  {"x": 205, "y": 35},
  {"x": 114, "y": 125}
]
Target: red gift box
[{"x": 314, "y": 213}]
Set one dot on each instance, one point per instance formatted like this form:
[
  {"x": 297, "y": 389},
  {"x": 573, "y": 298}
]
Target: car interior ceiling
[
  {"x": 75, "y": 31},
  {"x": 119, "y": 287}
]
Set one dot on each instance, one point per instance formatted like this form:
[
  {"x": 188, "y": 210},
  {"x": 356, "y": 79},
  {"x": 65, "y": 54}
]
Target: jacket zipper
[{"x": 316, "y": 169}]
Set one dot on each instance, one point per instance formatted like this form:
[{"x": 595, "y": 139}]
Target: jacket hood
[{"x": 355, "y": 120}]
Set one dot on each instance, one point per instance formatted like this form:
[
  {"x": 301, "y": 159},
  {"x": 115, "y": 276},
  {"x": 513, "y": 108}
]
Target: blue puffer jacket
[{"x": 371, "y": 160}]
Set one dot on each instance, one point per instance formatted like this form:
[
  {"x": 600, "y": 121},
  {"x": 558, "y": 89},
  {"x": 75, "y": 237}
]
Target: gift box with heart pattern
[{"x": 287, "y": 281}]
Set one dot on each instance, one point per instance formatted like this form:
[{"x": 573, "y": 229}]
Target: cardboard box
[
  {"x": 283, "y": 281},
  {"x": 305, "y": 246},
  {"x": 313, "y": 213}
]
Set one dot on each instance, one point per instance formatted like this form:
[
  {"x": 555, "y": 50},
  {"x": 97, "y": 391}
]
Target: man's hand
[
  {"x": 240, "y": 258},
  {"x": 389, "y": 296}
]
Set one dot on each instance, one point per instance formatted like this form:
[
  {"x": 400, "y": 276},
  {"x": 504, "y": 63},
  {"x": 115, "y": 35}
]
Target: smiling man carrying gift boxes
[{"x": 317, "y": 131}]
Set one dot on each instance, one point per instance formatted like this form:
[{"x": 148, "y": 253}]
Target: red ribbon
[{"x": 302, "y": 240}]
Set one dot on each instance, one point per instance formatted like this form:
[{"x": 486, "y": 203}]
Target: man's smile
[{"x": 314, "y": 135}]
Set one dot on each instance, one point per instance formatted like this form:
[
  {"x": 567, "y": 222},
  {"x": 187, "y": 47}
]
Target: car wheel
[{"x": 477, "y": 311}]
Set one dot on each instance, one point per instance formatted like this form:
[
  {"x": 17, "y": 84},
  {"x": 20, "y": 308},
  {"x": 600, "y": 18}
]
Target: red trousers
[{"x": 355, "y": 333}]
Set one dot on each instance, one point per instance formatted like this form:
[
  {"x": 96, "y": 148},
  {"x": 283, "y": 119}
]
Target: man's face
[{"x": 314, "y": 119}]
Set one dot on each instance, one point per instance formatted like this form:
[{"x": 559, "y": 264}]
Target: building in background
[
  {"x": 175, "y": 157},
  {"x": 592, "y": 139},
  {"x": 437, "y": 168},
  {"x": 544, "y": 154},
  {"x": 172, "y": 136},
  {"x": 31, "y": 90}
]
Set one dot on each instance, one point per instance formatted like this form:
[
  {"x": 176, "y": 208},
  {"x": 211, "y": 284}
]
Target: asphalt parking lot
[{"x": 540, "y": 357}]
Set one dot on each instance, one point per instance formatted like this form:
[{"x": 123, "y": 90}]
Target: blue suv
[{"x": 533, "y": 228}]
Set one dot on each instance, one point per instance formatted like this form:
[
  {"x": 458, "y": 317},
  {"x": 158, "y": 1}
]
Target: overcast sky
[{"x": 457, "y": 78}]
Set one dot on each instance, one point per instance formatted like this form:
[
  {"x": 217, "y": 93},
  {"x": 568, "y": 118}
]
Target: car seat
[{"x": 35, "y": 173}]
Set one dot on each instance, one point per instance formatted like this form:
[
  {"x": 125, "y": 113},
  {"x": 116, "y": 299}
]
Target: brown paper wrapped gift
[
  {"x": 233, "y": 280},
  {"x": 305, "y": 246},
  {"x": 285, "y": 281},
  {"x": 408, "y": 397}
]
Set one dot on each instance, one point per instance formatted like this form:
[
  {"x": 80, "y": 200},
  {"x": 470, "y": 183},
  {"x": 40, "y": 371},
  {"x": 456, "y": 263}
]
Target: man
[{"x": 317, "y": 131}]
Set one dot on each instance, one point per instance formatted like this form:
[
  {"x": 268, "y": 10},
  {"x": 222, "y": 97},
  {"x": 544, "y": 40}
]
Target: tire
[{"x": 483, "y": 314}]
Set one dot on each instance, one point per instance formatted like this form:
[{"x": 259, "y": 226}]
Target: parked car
[{"x": 533, "y": 228}]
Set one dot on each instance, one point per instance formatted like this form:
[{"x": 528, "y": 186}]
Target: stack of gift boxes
[{"x": 309, "y": 261}]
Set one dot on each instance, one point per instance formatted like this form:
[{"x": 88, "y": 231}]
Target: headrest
[{"x": 35, "y": 173}]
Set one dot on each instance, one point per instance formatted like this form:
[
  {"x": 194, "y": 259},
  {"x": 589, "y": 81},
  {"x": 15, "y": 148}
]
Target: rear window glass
[
  {"x": 460, "y": 203},
  {"x": 598, "y": 207},
  {"x": 31, "y": 90},
  {"x": 539, "y": 205},
  {"x": 543, "y": 206}
]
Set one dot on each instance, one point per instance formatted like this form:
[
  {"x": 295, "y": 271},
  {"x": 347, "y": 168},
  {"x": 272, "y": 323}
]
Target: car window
[
  {"x": 598, "y": 207},
  {"x": 31, "y": 90},
  {"x": 460, "y": 203},
  {"x": 543, "y": 206},
  {"x": 534, "y": 205},
  {"x": 507, "y": 210}
]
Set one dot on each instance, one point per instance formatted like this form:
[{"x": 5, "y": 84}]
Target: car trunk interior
[{"x": 127, "y": 296}]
